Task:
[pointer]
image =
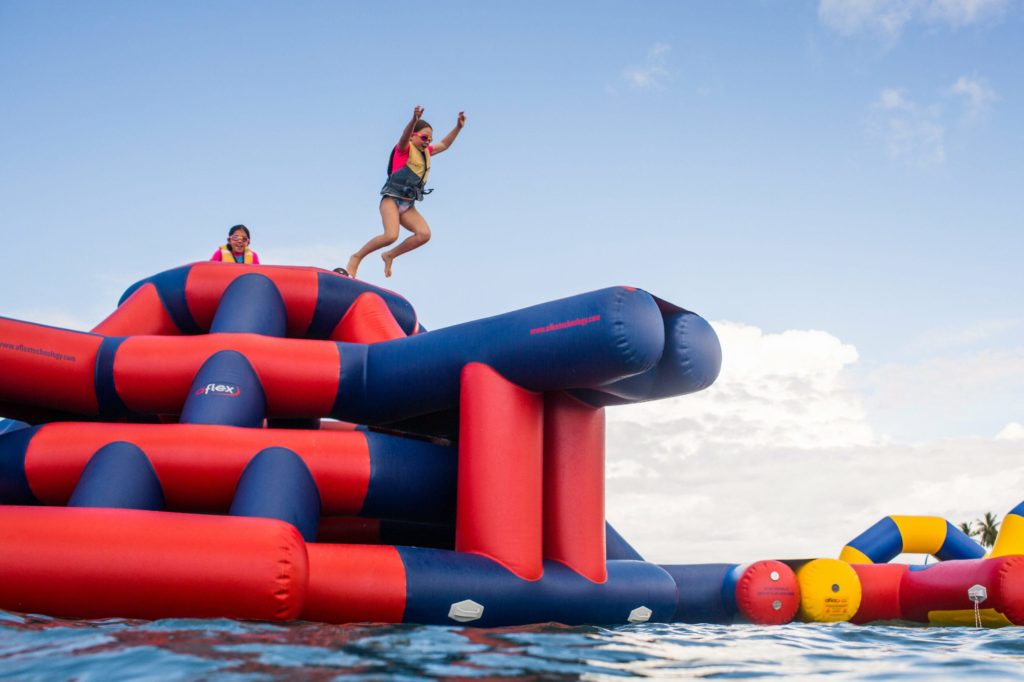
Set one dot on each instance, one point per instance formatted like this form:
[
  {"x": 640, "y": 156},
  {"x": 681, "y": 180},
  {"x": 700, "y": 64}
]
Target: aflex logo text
[{"x": 229, "y": 390}]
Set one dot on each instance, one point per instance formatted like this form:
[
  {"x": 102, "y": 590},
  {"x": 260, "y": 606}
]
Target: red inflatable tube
[
  {"x": 355, "y": 584},
  {"x": 49, "y": 367},
  {"x": 142, "y": 313},
  {"x": 199, "y": 465},
  {"x": 46, "y": 366},
  {"x": 298, "y": 287},
  {"x": 368, "y": 320},
  {"x": 880, "y": 592},
  {"x": 926, "y": 595},
  {"x": 153, "y": 374},
  {"x": 96, "y": 563}
]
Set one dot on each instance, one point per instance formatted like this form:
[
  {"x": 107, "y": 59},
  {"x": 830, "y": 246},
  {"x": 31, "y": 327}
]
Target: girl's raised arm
[
  {"x": 403, "y": 141},
  {"x": 450, "y": 137}
]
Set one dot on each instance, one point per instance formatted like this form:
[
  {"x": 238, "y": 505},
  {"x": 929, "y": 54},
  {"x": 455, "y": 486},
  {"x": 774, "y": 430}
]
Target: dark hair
[
  {"x": 420, "y": 125},
  {"x": 235, "y": 228}
]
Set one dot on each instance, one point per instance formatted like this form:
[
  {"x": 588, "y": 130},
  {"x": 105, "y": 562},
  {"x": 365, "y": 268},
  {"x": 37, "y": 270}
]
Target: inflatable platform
[{"x": 282, "y": 443}]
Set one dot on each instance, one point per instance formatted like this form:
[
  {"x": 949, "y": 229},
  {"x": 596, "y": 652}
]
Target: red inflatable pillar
[
  {"x": 574, "y": 485},
  {"x": 500, "y": 467},
  {"x": 142, "y": 313},
  {"x": 368, "y": 320}
]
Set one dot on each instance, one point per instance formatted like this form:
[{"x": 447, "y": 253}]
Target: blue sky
[{"x": 834, "y": 181}]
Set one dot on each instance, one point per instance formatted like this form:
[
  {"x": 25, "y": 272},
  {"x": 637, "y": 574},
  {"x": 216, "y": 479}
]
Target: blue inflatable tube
[
  {"x": 276, "y": 484},
  {"x": 764, "y": 592},
  {"x": 251, "y": 304},
  {"x": 436, "y": 579},
  {"x": 118, "y": 476},
  {"x": 14, "y": 485},
  {"x": 702, "y": 589},
  {"x": 690, "y": 362},
  {"x": 591, "y": 340},
  {"x": 893, "y": 535}
]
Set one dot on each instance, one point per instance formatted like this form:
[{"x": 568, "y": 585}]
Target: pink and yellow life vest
[{"x": 228, "y": 257}]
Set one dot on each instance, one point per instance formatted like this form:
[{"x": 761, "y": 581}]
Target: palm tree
[
  {"x": 988, "y": 529},
  {"x": 968, "y": 529},
  {"x": 985, "y": 529}
]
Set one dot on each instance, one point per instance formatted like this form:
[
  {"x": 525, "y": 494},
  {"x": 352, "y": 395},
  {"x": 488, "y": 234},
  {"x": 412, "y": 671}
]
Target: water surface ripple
[{"x": 42, "y": 648}]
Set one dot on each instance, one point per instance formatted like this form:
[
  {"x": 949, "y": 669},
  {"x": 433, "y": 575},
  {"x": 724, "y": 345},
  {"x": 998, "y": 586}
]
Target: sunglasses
[
  {"x": 425, "y": 137},
  {"x": 239, "y": 239}
]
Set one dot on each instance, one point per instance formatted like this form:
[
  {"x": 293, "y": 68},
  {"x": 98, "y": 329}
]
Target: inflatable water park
[{"x": 286, "y": 443}]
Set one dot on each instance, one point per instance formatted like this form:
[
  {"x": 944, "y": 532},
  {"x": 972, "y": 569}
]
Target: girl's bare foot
[
  {"x": 388, "y": 259},
  {"x": 353, "y": 265}
]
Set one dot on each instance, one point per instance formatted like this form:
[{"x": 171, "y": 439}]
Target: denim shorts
[{"x": 403, "y": 204}]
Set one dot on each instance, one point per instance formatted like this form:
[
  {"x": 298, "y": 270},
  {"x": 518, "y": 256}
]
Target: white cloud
[
  {"x": 915, "y": 133},
  {"x": 887, "y": 19},
  {"x": 965, "y": 335},
  {"x": 785, "y": 389},
  {"x": 884, "y": 17},
  {"x": 963, "y": 12},
  {"x": 892, "y": 99},
  {"x": 653, "y": 73},
  {"x": 909, "y": 132},
  {"x": 945, "y": 394},
  {"x": 977, "y": 96},
  {"x": 1012, "y": 431},
  {"x": 780, "y": 458},
  {"x": 742, "y": 506}
]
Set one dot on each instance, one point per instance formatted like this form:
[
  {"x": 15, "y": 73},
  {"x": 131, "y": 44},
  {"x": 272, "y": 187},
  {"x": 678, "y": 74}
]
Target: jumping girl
[{"x": 407, "y": 180}]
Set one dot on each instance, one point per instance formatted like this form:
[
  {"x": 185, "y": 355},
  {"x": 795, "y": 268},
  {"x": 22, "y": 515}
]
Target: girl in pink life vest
[
  {"x": 237, "y": 248},
  {"x": 406, "y": 184}
]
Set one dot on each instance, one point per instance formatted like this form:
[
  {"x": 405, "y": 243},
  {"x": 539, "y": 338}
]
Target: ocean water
[{"x": 42, "y": 648}]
